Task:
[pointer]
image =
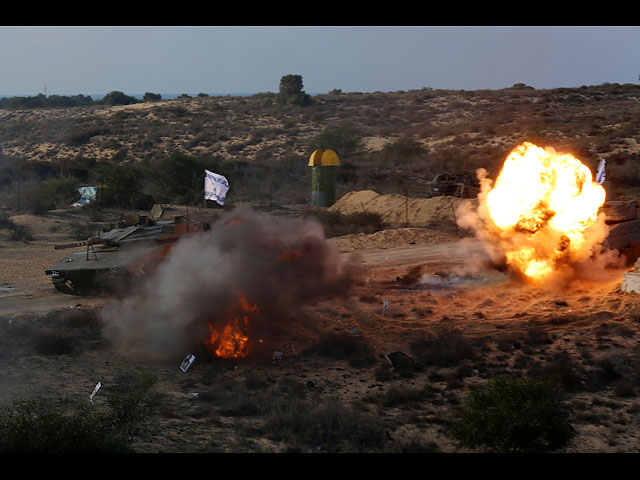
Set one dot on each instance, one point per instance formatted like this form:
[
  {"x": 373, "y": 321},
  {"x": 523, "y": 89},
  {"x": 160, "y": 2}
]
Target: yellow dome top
[{"x": 325, "y": 158}]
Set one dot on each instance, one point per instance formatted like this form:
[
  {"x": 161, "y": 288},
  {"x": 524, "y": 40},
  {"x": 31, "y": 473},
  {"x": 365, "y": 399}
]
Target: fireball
[
  {"x": 230, "y": 338},
  {"x": 541, "y": 206}
]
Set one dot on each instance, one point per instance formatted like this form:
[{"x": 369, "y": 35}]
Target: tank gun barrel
[{"x": 81, "y": 243}]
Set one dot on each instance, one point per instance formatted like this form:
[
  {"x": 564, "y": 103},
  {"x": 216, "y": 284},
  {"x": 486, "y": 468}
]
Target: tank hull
[{"x": 117, "y": 259}]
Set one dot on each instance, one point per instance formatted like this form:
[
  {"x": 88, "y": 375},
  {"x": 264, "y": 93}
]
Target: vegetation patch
[
  {"x": 448, "y": 347},
  {"x": 325, "y": 427},
  {"x": 511, "y": 415},
  {"x": 348, "y": 347},
  {"x": 35, "y": 426}
]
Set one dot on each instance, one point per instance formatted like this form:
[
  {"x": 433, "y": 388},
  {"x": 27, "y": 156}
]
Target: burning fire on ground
[
  {"x": 230, "y": 289},
  {"x": 232, "y": 339},
  {"x": 541, "y": 215}
]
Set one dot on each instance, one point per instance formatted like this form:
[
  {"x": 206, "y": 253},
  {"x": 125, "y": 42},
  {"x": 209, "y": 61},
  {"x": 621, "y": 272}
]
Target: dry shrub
[
  {"x": 53, "y": 343},
  {"x": 325, "y": 427},
  {"x": 446, "y": 348},
  {"x": 403, "y": 395},
  {"x": 560, "y": 369},
  {"x": 342, "y": 346}
]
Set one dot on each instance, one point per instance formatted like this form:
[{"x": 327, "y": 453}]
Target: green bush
[
  {"x": 118, "y": 98},
  {"x": 291, "y": 92},
  {"x": 403, "y": 149},
  {"x": 511, "y": 415},
  {"x": 59, "y": 191},
  {"x": 35, "y": 426},
  {"x": 120, "y": 184},
  {"x": 344, "y": 138},
  {"x": 132, "y": 401},
  {"x": 20, "y": 233}
]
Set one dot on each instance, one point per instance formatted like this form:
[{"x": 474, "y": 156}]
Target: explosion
[
  {"x": 541, "y": 214},
  {"x": 230, "y": 288}
]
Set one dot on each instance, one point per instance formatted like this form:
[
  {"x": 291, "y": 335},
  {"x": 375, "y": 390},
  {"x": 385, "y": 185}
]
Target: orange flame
[
  {"x": 232, "y": 340},
  {"x": 541, "y": 204}
]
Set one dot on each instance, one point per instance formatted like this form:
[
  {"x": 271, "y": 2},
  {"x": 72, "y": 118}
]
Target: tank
[
  {"x": 115, "y": 259},
  {"x": 624, "y": 228},
  {"x": 446, "y": 184}
]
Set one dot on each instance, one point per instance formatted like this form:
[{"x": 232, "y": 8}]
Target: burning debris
[
  {"x": 231, "y": 288},
  {"x": 541, "y": 216}
]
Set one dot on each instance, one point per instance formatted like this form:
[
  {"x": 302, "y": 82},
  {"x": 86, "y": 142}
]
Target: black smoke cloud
[{"x": 277, "y": 263}]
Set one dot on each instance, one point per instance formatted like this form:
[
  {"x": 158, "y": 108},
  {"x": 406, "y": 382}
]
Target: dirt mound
[
  {"x": 393, "y": 238},
  {"x": 400, "y": 211}
]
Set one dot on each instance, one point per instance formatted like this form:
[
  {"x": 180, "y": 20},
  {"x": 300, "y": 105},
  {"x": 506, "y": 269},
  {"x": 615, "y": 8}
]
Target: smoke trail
[{"x": 277, "y": 263}]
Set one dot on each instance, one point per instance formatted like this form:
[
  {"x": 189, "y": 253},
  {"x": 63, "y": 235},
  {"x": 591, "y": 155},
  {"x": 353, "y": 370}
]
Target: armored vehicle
[
  {"x": 461, "y": 186},
  {"x": 113, "y": 259},
  {"x": 624, "y": 227}
]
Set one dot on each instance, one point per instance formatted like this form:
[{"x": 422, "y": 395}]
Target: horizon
[
  {"x": 253, "y": 59},
  {"x": 173, "y": 95}
]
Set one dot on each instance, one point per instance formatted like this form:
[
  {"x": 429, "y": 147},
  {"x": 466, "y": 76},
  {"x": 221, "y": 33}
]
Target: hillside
[
  {"x": 385, "y": 140},
  {"x": 369, "y": 335}
]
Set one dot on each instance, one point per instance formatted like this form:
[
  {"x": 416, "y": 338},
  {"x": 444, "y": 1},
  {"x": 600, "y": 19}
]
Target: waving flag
[
  {"x": 600, "y": 175},
  {"x": 215, "y": 187}
]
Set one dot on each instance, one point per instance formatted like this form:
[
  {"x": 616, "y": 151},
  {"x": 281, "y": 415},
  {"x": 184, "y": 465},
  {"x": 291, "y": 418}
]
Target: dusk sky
[{"x": 90, "y": 60}]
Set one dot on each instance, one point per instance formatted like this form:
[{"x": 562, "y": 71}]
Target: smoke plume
[{"x": 276, "y": 263}]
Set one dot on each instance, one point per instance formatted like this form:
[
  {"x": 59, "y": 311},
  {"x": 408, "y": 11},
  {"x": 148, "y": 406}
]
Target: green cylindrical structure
[
  {"x": 323, "y": 165},
  {"x": 323, "y": 186}
]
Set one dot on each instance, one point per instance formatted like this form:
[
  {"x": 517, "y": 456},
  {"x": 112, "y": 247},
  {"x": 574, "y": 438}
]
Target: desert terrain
[
  {"x": 326, "y": 382},
  {"x": 410, "y": 285}
]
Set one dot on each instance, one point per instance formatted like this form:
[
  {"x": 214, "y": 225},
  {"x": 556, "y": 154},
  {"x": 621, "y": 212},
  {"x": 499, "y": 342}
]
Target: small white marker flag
[
  {"x": 600, "y": 175},
  {"x": 215, "y": 187}
]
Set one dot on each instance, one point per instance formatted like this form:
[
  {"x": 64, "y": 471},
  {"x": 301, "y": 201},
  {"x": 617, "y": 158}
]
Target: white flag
[
  {"x": 600, "y": 175},
  {"x": 215, "y": 187}
]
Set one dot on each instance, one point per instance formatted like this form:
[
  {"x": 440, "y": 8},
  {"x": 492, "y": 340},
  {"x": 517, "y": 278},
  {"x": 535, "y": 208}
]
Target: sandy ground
[{"x": 412, "y": 282}]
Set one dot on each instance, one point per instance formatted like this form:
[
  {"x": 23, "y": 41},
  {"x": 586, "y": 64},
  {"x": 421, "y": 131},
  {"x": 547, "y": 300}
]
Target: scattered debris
[
  {"x": 95, "y": 390},
  {"x": 87, "y": 195},
  {"x": 400, "y": 361},
  {"x": 288, "y": 350},
  {"x": 186, "y": 363}
]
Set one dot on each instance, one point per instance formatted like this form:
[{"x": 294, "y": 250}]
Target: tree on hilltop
[
  {"x": 291, "y": 92},
  {"x": 118, "y": 98}
]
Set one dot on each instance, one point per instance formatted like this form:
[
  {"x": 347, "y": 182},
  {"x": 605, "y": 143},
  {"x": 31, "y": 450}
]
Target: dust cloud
[{"x": 276, "y": 263}]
